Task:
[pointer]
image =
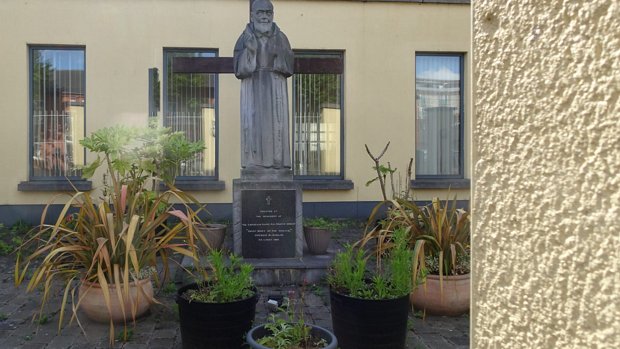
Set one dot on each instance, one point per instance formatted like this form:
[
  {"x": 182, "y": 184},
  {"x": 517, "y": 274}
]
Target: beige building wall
[
  {"x": 123, "y": 39},
  {"x": 546, "y": 235}
]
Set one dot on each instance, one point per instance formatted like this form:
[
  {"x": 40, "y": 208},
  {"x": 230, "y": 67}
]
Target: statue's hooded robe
[{"x": 264, "y": 99}]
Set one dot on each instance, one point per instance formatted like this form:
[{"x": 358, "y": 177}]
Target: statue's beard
[{"x": 262, "y": 28}]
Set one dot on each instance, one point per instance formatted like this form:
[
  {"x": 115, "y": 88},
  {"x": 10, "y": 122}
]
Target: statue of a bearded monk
[{"x": 263, "y": 59}]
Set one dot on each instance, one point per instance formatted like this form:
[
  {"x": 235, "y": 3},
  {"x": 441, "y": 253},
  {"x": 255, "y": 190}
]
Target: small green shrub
[
  {"x": 169, "y": 288},
  {"x": 5, "y": 248},
  {"x": 227, "y": 283},
  {"x": 317, "y": 290},
  {"x": 349, "y": 274},
  {"x": 12, "y": 237},
  {"x": 323, "y": 223},
  {"x": 348, "y": 271},
  {"x": 20, "y": 226},
  {"x": 290, "y": 331}
]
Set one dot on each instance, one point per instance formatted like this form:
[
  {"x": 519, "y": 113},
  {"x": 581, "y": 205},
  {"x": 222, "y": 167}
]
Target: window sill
[
  {"x": 55, "y": 185},
  {"x": 325, "y": 184},
  {"x": 429, "y": 183},
  {"x": 197, "y": 185}
]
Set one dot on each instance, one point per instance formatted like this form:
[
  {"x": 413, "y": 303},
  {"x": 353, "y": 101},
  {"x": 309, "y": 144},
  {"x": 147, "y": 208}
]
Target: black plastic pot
[
  {"x": 259, "y": 332},
  {"x": 369, "y": 324},
  {"x": 214, "y": 325}
]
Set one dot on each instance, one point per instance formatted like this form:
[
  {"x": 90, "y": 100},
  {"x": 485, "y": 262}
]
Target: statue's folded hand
[{"x": 251, "y": 44}]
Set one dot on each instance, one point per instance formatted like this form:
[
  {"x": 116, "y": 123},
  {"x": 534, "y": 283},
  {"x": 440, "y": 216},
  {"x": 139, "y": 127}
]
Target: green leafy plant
[
  {"x": 288, "y": 329},
  {"x": 5, "y": 248},
  {"x": 226, "y": 283},
  {"x": 11, "y": 237},
  {"x": 141, "y": 154},
  {"x": 323, "y": 223},
  {"x": 20, "y": 227},
  {"x": 169, "y": 288},
  {"x": 349, "y": 273},
  {"x": 121, "y": 237}
]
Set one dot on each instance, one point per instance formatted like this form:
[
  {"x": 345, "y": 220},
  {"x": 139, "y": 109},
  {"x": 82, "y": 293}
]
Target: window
[
  {"x": 57, "y": 101},
  {"x": 439, "y": 116},
  {"x": 190, "y": 106},
  {"x": 317, "y": 125}
]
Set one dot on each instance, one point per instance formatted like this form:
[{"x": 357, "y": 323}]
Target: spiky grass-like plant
[
  {"x": 113, "y": 240},
  {"x": 440, "y": 230}
]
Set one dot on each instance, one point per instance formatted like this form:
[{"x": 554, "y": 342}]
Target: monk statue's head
[{"x": 262, "y": 15}]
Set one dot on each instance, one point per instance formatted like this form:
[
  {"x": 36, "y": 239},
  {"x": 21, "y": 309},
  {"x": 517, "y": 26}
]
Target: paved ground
[{"x": 160, "y": 328}]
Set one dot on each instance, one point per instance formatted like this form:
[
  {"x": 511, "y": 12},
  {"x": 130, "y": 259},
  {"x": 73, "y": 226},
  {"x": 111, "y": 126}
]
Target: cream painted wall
[
  {"x": 125, "y": 38},
  {"x": 546, "y": 236}
]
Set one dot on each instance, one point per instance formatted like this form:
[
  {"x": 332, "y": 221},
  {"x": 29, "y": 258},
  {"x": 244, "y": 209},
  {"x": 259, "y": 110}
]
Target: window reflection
[
  {"x": 317, "y": 127},
  {"x": 438, "y": 115},
  {"x": 190, "y": 108},
  {"x": 58, "y": 100}
]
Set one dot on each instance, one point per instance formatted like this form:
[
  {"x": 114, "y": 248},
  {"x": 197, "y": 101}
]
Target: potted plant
[
  {"x": 439, "y": 235},
  {"x": 213, "y": 233},
  {"x": 443, "y": 242},
  {"x": 105, "y": 252},
  {"x": 370, "y": 310},
  {"x": 290, "y": 331},
  {"x": 218, "y": 311},
  {"x": 318, "y": 232}
]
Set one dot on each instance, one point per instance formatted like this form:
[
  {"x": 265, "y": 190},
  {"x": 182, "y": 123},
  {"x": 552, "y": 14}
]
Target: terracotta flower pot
[
  {"x": 453, "y": 301},
  {"x": 214, "y": 234},
  {"x": 94, "y": 305},
  {"x": 317, "y": 239}
]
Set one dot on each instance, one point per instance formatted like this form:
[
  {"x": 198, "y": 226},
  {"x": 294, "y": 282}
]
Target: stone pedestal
[{"x": 267, "y": 218}]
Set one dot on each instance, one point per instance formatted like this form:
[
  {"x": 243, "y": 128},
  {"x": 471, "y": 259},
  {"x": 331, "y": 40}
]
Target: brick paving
[{"x": 160, "y": 327}]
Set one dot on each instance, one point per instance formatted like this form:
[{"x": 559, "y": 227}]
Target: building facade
[{"x": 70, "y": 68}]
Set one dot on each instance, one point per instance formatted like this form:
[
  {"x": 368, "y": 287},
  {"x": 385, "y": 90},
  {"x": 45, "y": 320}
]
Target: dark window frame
[
  {"x": 191, "y": 181},
  {"x": 436, "y": 180},
  {"x": 332, "y": 53},
  {"x": 48, "y": 181}
]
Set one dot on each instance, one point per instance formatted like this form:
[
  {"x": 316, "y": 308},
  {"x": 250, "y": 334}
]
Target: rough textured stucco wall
[{"x": 547, "y": 174}]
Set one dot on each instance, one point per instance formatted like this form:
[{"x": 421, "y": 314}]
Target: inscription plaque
[{"x": 268, "y": 223}]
